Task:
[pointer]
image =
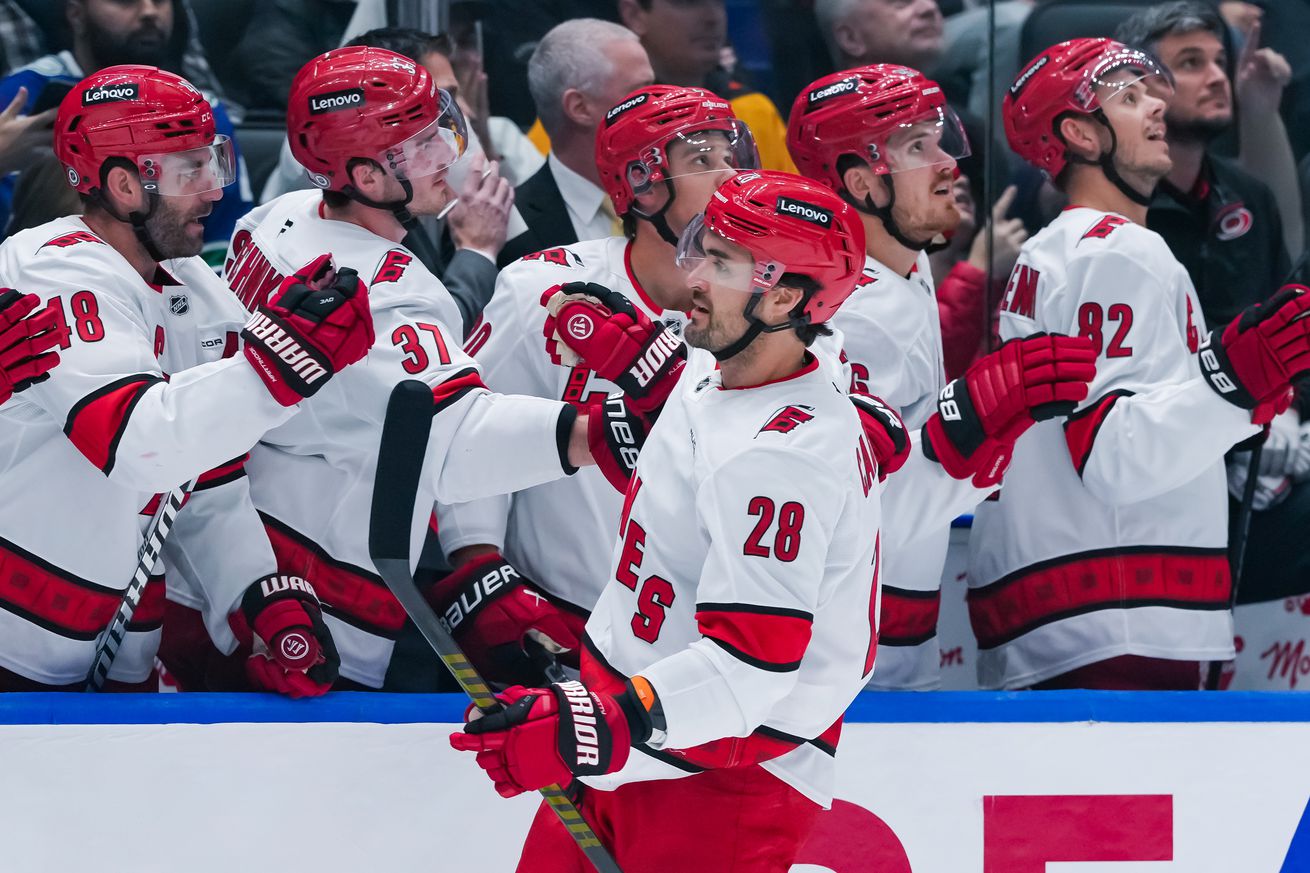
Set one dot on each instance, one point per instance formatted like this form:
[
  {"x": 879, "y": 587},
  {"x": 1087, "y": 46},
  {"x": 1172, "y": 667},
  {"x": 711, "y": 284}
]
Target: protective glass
[
  {"x": 432, "y": 149},
  {"x": 1114, "y": 76},
  {"x": 935, "y": 139},
  {"x": 728, "y": 146},
  {"x": 194, "y": 171},
  {"x": 718, "y": 266}
]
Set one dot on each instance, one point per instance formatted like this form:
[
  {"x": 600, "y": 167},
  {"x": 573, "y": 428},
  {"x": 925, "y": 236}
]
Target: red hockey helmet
[
  {"x": 1078, "y": 76},
  {"x": 632, "y": 142},
  {"x": 153, "y": 118},
  {"x": 365, "y": 102},
  {"x": 789, "y": 225},
  {"x": 893, "y": 117}
]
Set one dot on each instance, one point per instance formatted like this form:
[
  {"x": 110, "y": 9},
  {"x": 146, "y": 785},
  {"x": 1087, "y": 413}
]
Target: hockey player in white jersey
[
  {"x": 159, "y": 384},
  {"x": 377, "y": 136},
  {"x": 739, "y": 619},
  {"x": 1102, "y": 563},
  {"x": 883, "y": 138},
  {"x": 661, "y": 152},
  {"x": 26, "y": 342}
]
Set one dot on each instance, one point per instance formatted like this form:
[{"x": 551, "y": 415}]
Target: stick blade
[{"x": 400, "y": 464}]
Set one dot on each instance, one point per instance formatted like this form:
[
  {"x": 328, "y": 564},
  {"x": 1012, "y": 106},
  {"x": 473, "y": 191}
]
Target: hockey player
[
  {"x": 661, "y": 153},
  {"x": 377, "y": 138},
  {"x": 1103, "y": 562},
  {"x": 740, "y": 616},
  {"x": 884, "y": 139},
  {"x": 159, "y": 384},
  {"x": 25, "y": 343}
]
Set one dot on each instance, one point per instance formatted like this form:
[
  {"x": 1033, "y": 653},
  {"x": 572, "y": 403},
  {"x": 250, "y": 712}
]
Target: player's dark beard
[
  {"x": 146, "y": 45},
  {"x": 1197, "y": 130},
  {"x": 167, "y": 228}
]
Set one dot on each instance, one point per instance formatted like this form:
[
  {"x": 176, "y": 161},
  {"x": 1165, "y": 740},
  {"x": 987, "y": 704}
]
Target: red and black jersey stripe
[
  {"x": 96, "y": 423},
  {"x": 453, "y": 389},
  {"x": 1122, "y": 578},
  {"x": 766, "y": 637},
  {"x": 1080, "y": 429},
  {"x": 908, "y": 618}
]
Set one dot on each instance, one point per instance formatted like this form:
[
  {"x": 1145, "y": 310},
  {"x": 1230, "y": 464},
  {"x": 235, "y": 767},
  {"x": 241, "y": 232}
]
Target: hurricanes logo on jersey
[
  {"x": 72, "y": 239},
  {"x": 787, "y": 419}
]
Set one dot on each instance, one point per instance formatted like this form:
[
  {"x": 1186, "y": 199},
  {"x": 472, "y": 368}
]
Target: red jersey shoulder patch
[
  {"x": 787, "y": 419},
  {"x": 72, "y": 239},
  {"x": 393, "y": 267},
  {"x": 1104, "y": 227},
  {"x": 558, "y": 256}
]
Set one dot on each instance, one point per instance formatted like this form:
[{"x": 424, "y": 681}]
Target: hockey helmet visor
[
  {"x": 704, "y": 254},
  {"x": 934, "y": 139},
  {"x": 1122, "y": 72},
  {"x": 188, "y": 172},
  {"x": 726, "y": 146},
  {"x": 434, "y": 148}
]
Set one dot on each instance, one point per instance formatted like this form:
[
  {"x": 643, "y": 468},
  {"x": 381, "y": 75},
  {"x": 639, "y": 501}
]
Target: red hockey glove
[
  {"x": 502, "y": 621},
  {"x": 546, "y": 736},
  {"x": 615, "y": 435},
  {"x": 294, "y": 653},
  {"x": 981, "y": 414},
  {"x": 25, "y": 343},
  {"x": 1261, "y": 351},
  {"x": 885, "y": 431},
  {"x": 316, "y": 323},
  {"x": 603, "y": 330}
]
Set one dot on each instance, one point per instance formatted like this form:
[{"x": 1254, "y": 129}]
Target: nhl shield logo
[{"x": 179, "y": 305}]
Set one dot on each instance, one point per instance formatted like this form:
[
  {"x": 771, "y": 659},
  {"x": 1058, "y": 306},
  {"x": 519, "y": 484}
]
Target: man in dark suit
[{"x": 579, "y": 70}]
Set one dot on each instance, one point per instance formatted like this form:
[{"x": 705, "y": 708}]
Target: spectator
[
  {"x": 579, "y": 70},
  {"x": 42, "y": 194},
  {"x": 859, "y": 32},
  {"x": 962, "y": 65},
  {"x": 684, "y": 39},
  {"x": 21, "y": 39},
  {"x": 281, "y": 36},
  {"x": 105, "y": 33}
]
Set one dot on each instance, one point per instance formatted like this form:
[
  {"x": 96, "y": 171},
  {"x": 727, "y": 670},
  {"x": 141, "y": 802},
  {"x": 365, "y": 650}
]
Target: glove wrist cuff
[
  {"x": 642, "y": 708},
  {"x": 460, "y": 596},
  {"x": 271, "y": 589}
]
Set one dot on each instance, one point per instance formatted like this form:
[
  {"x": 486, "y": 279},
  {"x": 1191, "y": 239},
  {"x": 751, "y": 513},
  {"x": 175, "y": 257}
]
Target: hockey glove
[
  {"x": 25, "y": 343},
  {"x": 885, "y": 431},
  {"x": 1260, "y": 352},
  {"x": 615, "y": 435},
  {"x": 316, "y": 323},
  {"x": 502, "y": 621},
  {"x": 981, "y": 414},
  {"x": 293, "y": 652},
  {"x": 602, "y": 329},
  {"x": 547, "y": 736}
]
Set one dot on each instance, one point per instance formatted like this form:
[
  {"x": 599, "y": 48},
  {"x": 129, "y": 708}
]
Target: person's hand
[
  {"x": 480, "y": 218},
  {"x": 1262, "y": 74},
  {"x": 23, "y": 137},
  {"x": 1008, "y": 236}
]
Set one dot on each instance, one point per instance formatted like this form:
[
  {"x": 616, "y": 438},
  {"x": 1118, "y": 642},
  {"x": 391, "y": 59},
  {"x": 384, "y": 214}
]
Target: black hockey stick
[
  {"x": 400, "y": 464},
  {"x": 1237, "y": 551},
  {"x": 146, "y": 558}
]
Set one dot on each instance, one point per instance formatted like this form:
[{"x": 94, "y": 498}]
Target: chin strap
[
  {"x": 884, "y": 214},
  {"x": 416, "y": 238},
  {"x": 1108, "y": 166},
  {"x": 756, "y": 327},
  {"x": 658, "y": 220},
  {"x": 137, "y": 219}
]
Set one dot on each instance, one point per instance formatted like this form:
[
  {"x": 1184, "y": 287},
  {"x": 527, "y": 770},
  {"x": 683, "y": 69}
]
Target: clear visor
[
  {"x": 931, "y": 141},
  {"x": 1125, "y": 73},
  {"x": 432, "y": 149},
  {"x": 699, "y": 152},
  {"x": 703, "y": 254},
  {"x": 194, "y": 171}
]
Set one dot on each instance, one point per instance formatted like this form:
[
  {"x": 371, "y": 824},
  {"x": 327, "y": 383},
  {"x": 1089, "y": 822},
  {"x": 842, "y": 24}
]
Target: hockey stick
[
  {"x": 1237, "y": 555},
  {"x": 146, "y": 558},
  {"x": 400, "y": 464}
]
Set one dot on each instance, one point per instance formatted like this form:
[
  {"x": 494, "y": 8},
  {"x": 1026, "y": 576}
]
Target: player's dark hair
[
  {"x": 337, "y": 200},
  {"x": 407, "y": 41},
  {"x": 1144, "y": 30},
  {"x": 808, "y": 333},
  {"x": 93, "y": 201}
]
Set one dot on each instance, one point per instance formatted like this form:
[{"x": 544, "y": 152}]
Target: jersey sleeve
[
  {"x": 218, "y": 547},
  {"x": 921, "y": 497},
  {"x": 1150, "y": 423},
  {"x": 884, "y": 365},
  {"x": 139, "y": 427},
  {"x": 756, "y": 597}
]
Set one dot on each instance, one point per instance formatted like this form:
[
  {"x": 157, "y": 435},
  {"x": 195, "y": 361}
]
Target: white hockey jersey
[
  {"x": 312, "y": 479},
  {"x": 147, "y": 396},
  {"x": 892, "y": 342},
  {"x": 558, "y": 534},
  {"x": 744, "y": 579},
  {"x": 1109, "y": 534}
]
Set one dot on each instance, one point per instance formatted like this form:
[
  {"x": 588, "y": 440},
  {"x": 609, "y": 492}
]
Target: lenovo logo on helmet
[
  {"x": 845, "y": 86},
  {"x": 111, "y": 94},
  {"x": 805, "y": 211},
  {"x": 1021, "y": 82},
  {"x": 630, "y": 103},
  {"x": 335, "y": 101}
]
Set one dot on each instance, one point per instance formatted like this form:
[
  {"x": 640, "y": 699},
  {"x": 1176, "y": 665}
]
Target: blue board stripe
[{"x": 897, "y": 708}]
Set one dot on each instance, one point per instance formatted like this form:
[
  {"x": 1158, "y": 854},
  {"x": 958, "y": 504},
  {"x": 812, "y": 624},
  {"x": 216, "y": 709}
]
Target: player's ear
[
  {"x": 123, "y": 188},
  {"x": 1081, "y": 135},
  {"x": 368, "y": 178},
  {"x": 861, "y": 183},
  {"x": 780, "y": 300}
]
